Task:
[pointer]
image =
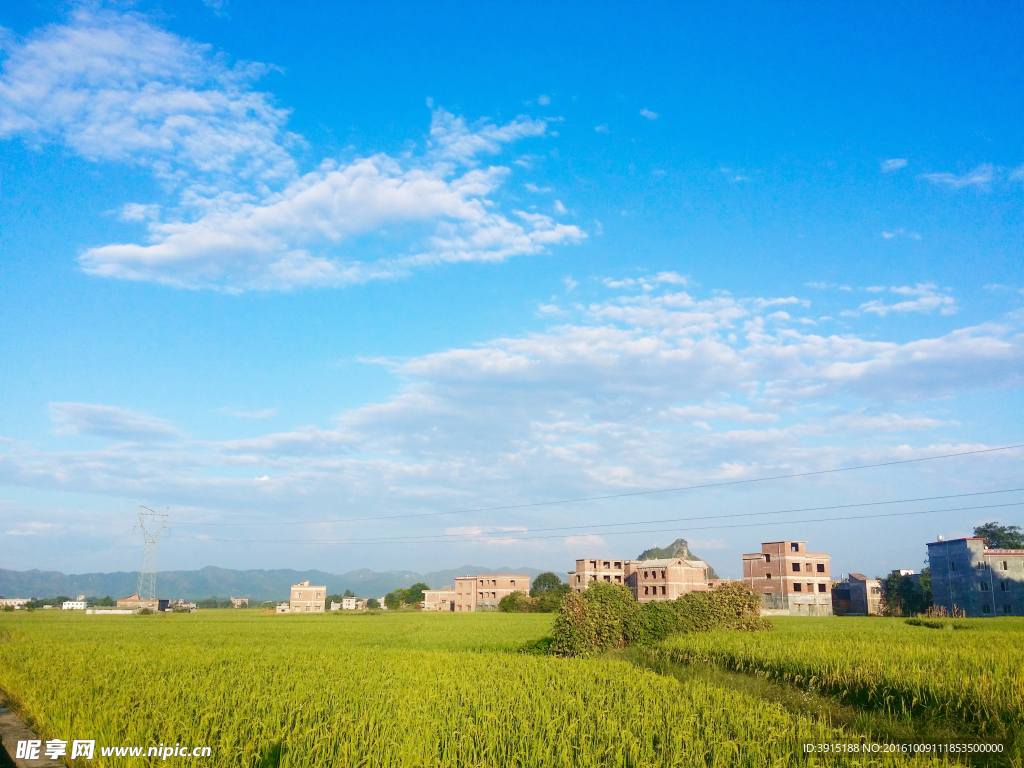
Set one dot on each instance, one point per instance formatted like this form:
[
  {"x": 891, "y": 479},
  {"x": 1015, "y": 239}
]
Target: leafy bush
[
  {"x": 517, "y": 602},
  {"x": 607, "y": 617}
]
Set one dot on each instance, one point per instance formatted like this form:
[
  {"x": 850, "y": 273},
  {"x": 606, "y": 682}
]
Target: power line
[
  {"x": 435, "y": 539},
  {"x": 620, "y": 495},
  {"x": 738, "y": 514}
]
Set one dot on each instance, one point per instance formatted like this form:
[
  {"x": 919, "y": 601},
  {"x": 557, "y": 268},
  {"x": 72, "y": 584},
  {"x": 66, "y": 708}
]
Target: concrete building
[
  {"x": 666, "y": 579},
  {"x": 608, "y": 570},
  {"x": 283, "y": 608},
  {"x": 73, "y": 605},
  {"x": 17, "y": 603},
  {"x": 335, "y": 606},
  {"x": 857, "y": 595},
  {"x": 789, "y": 579},
  {"x": 239, "y": 602},
  {"x": 484, "y": 592},
  {"x": 307, "y": 599},
  {"x": 352, "y": 604},
  {"x": 439, "y": 599},
  {"x": 968, "y": 576},
  {"x": 135, "y": 603}
]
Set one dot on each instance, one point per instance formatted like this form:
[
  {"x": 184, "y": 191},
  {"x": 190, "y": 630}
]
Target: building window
[
  {"x": 984, "y": 586},
  {"x": 663, "y": 590},
  {"x": 767, "y": 575},
  {"x": 798, "y": 587},
  {"x": 647, "y": 590},
  {"x": 952, "y": 565},
  {"x": 821, "y": 567},
  {"x": 1007, "y": 609},
  {"x": 876, "y": 590},
  {"x": 794, "y": 547},
  {"x": 1004, "y": 586},
  {"x": 607, "y": 578},
  {"x": 577, "y": 578},
  {"x": 767, "y": 558},
  {"x": 618, "y": 565},
  {"x": 646, "y": 575},
  {"x": 607, "y": 564},
  {"x": 807, "y": 567},
  {"x": 810, "y": 587},
  {"x": 796, "y": 567},
  {"x": 618, "y": 579},
  {"x": 821, "y": 587},
  {"x": 1004, "y": 566},
  {"x": 986, "y": 609}
]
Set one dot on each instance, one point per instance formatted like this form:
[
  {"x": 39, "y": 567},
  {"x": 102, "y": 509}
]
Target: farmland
[
  {"x": 967, "y": 672},
  {"x": 403, "y": 689}
]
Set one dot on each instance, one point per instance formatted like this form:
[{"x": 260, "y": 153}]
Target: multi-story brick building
[
  {"x": 483, "y": 592},
  {"x": 664, "y": 579},
  {"x": 307, "y": 599},
  {"x": 597, "y": 569},
  {"x": 968, "y": 576},
  {"x": 439, "y": 599},
  {"x": 790, "y": 579}
]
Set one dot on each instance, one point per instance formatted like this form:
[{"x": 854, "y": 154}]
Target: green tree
[
  {"x": 517, "y": 602},
  {"x": 103, "y": 601},
  {"x": 349, "y": 593},
  {"x": 332, "y": 599},
  {"x": 906, "y": 595},
  {"x": 415, "y": 593},
  {"x": 373, "y": 603},
  {"x": 999, "y": 536},
  {"x": 544, "y": 582},
  {"x": 395, "y": 600}
]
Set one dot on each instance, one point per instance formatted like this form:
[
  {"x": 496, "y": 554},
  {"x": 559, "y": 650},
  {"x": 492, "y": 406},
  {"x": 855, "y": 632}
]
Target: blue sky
[{"x": 263, "y": 266}]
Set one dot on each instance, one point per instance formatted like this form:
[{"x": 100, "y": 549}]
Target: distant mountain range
[{"x": 223, "y": 582}]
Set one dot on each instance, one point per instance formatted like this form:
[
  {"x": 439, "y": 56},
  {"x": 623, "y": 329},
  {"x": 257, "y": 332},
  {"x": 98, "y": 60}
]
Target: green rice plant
[
  {"x": 404, "y": 690},
  {"x": 974, "y": 678}
]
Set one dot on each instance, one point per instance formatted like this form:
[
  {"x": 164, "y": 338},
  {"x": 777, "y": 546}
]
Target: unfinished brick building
[
  {"x": 664, "y": 579},
  {"x": 789, "y": 579},
  {"x": 484, "y": 591}
]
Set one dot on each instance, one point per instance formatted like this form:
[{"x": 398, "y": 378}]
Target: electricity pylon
[{"x": 152, "y": 524}]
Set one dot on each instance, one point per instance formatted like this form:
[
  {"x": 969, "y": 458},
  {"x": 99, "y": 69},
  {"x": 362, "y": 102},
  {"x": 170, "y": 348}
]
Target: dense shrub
[
  {"x": 517, "y": 602},
  {"x": 607, "y": 617}
]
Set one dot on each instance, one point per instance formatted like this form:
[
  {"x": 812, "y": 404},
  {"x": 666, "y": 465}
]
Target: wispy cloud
[
  {"x": 923, "y": 297},
  {"x": 893, "y": 164},
  {"x": 109, "y": 421},
  {"x": 649, "y": 114},
  {"x": 981, "y": 177},
  {"x": 114, "y": 87},
  {"x": 900, "y": 232}
]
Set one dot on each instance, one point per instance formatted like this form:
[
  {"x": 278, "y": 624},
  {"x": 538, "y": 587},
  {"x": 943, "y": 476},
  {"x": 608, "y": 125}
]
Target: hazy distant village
[{"x": 972, "y": 577}]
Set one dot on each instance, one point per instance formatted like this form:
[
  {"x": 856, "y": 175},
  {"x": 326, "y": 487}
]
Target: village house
[
  {"x": 306, "y": 598},
  {"x": 239, "y": 602},
  {"x": 484, "y": 592},
  {"x": 968, "y": 576},
  {"x": 857, "y": 595},
  {"x": 664, "y": 579},
  {"x": 352, "y": 604},
  {"x": 789, "y": 579},
  {"x": 135, "y": 603},
  {"x": 73, "y": 605},
  {"x": 439, "y": 599}
]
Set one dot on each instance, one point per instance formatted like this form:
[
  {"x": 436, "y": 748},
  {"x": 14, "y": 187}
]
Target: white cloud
[
  {"x": 981, "y": 177},
  {"x": 109, "y": 421},
  {"x": 901, "y": 233},
  {"x": 544, "y": 100},
  {"x": 31, "y": 529},
  {"x": 534, "y": 188},
  {"x": 603, "y": 128},
  {"x": 924, "y": 298},
  {"x": 560, "y": 208},
  {"x": 113, "y": 87},
  {"x": 644, "y": 389},
  {"x": 893, "y": 164},
  {"x": 649, "y": 114}
]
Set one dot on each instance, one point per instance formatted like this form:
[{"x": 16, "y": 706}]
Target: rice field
[
  {"x": 969, "y": 672},
  {"x": 402, "y": 689}
]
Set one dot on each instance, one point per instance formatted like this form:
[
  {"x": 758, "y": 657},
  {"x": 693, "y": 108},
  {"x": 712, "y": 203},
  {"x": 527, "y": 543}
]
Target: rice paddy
[{"x": 404, "y": 689}]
